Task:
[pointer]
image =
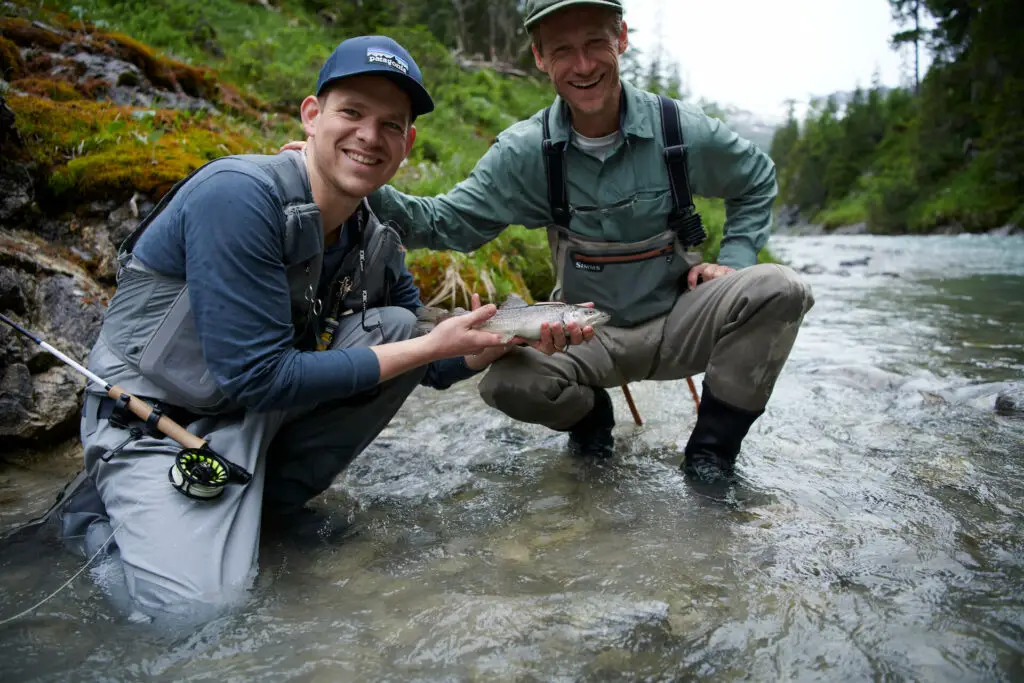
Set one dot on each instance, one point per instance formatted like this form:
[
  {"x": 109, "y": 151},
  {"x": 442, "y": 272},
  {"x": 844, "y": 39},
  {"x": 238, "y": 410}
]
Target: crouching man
[{"x": 263, "y": 306}]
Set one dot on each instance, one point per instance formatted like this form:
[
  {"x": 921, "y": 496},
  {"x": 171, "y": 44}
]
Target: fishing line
[{"x": 67, "y": 583}]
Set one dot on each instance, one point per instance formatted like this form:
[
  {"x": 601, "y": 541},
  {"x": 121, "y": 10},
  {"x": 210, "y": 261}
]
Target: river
[{"x": 877, "y": 533}]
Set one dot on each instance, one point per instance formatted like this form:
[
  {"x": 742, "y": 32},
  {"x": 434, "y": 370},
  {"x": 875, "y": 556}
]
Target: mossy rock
[
  {"x": 27, "y": 34},
  {"x": 88, "y": 150},
  {"x": 151, "y": 167},
  {"x": 163, "y": 73},
  {"x": 58, "y": 91},
  {"x": 12, "y": 67}
]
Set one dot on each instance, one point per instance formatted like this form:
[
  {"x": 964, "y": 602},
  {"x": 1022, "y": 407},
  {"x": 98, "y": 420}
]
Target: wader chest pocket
[
  {"x": 632, "y": 282},
  {"x": 173, "y": 360}
]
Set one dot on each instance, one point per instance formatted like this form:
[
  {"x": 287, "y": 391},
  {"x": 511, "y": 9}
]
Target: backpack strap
[
  {"x": 683, "y": 219},
  {"x": 554, "y": 168}
]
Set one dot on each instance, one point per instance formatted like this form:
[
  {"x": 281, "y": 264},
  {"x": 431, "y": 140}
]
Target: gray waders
[
  {"x": 189, "y": 559},
  {"x": 192, "y": 558}
]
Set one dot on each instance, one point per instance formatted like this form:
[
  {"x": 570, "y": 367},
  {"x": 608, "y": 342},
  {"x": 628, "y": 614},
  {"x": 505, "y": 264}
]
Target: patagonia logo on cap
[{"x": 377, "y": 56}]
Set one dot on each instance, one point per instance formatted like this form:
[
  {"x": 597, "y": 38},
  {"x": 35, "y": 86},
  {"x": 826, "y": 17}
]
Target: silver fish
[{"x": 516, "y": 318}]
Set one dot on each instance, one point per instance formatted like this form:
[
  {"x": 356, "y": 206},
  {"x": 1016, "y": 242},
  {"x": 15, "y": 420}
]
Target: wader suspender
[
  {"x": 129, "y": 242},
  {"x": 554, "y": 167},
  {"x": 683, "y": 219}
]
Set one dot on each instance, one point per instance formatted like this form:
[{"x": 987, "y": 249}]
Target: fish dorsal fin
[{"x": 514, "y": 301}]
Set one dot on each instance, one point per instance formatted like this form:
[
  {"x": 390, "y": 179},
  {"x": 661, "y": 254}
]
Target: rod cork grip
[{"x": 166, "y": 425}]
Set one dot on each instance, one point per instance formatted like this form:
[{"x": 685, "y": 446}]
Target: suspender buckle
[{"x": 675, "y": 153}]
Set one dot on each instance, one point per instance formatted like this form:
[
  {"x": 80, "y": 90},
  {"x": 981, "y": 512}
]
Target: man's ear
[
  {"x": 623, "y": 38},
  {"x": 537, "y": 57},
  {"x": 310, "y": 111},
  {"x": 412, "y": 139}
]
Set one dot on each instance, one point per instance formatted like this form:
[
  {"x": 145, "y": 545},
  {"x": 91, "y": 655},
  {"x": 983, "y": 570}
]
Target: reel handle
[{"x": 166, "y": 425}]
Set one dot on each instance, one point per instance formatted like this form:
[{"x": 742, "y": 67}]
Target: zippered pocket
[
  {"x": 632, "y": 282},
  {"x": 596, "y": 263}
]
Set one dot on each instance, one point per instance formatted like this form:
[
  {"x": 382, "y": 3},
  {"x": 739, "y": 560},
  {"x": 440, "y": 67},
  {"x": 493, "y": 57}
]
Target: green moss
[
  {"x": 25, "y": 34},
  {"x": 150, "y": 166},
  {"x": 85, "y": 150},
  {"x": 12, "y": 67},
  {"x": 58, "y": 91}
]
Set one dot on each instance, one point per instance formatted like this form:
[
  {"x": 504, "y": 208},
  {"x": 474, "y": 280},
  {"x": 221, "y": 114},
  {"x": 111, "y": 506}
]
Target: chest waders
[
  {"x": 198, "y": 472},
  {"x": 634, "y": 281},
  {"x": 149, "y": 344}
]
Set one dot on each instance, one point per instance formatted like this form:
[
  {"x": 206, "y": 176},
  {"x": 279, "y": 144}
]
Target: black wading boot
[
  {"x": 710, "y": 454},
  {"x": 591, "y": 437}
]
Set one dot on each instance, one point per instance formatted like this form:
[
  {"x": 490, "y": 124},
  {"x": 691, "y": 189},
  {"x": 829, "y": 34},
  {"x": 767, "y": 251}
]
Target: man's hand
[
  {"x": 558, "y": 338},
  {"x": 479, "y": 361},
  {"x": 294, "y": 144},
  {"x": 457, "y": 335},
  {"x": 706, "y": 272}
]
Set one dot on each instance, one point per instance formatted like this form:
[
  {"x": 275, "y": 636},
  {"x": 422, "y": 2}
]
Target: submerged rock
[{"x": 1010, "y": 400}]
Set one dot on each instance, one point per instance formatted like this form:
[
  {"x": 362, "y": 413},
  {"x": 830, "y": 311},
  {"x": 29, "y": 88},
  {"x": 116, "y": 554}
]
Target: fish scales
[{"x": 516, "y": 318}]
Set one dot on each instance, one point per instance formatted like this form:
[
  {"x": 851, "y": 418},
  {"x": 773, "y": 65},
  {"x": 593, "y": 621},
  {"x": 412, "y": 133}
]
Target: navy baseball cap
[{"x": 381, "y": 56}]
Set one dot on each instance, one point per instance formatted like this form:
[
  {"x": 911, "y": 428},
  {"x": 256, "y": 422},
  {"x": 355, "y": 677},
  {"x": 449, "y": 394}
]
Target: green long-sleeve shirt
[{"x": 624, "y": 198}]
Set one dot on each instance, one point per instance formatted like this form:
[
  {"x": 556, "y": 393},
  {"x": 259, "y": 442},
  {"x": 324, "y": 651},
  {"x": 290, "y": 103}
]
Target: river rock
[
  {"x": 45, "y": 290},
  {"x": 1010, "y": 400},
  {"x": 855, "y": 229},
  {"x": 1007, "y": 230}
]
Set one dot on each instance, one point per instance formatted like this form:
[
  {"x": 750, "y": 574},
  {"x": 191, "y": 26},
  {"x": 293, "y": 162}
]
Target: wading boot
[
  {"x": 591, "y": 437},
  {"x": 710, "y": 454}
]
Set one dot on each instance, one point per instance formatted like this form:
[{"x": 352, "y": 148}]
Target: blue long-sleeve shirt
[{"x": 223, "y": 234}]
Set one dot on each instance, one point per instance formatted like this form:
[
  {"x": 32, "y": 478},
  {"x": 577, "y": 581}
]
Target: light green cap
[{"x": 538, "y": 9}]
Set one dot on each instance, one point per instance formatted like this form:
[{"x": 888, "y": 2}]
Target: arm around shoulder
[{"x": 476, "y": 209}]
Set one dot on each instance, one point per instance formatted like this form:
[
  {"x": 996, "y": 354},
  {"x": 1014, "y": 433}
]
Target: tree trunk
[
  {"x": 460, "y": 24},
  {"x": 917, "y": 47}
]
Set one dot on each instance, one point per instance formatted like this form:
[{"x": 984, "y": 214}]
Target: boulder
[
  {"x": 1010, "y": 401},
  {"x": 43, "y": 289}
]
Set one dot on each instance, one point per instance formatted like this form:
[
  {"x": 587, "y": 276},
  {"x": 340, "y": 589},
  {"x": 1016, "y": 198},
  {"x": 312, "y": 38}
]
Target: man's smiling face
[
  {"x": 360, "y": 132},
  {"x": 579, "y": 50}
]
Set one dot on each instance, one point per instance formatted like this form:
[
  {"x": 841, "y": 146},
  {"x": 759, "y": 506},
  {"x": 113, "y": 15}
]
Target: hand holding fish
[
  {"x": 460, "y": 335},
  {"x": 548, "y": 327},
  {"x": 555, "y": 338},
  {"x": 479, "y": 361}
]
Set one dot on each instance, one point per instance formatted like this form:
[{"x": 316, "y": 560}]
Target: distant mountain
[{"x": 757, "y": 128}]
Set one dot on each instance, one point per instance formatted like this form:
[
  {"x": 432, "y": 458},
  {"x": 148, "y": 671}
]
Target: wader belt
[{"x": 683, "y": 219}]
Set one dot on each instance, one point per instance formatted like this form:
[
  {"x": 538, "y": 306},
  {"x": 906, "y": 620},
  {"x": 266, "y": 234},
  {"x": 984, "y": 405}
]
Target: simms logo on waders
[
  {"x": 378, "y": 56},
  {"x": 592, "y": 267}
]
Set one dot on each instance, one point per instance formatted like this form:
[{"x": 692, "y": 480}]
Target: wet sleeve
[
  {"x": 238, "y": 290},
  {"x": 442, "y": 374},
  {"x": 473, "y": 212},
  {"x": 734, "y": 168}
]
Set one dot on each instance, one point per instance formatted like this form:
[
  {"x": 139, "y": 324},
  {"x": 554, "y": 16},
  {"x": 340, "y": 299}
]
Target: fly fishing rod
[{"x": 198, "y": 472}]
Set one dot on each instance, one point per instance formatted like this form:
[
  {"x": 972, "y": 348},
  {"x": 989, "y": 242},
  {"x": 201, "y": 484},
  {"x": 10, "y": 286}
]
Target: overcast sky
[{"x": 757, "y": 53}]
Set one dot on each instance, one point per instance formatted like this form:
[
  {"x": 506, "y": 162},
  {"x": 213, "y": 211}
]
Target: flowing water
[{"x": 877, "y": 534}]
